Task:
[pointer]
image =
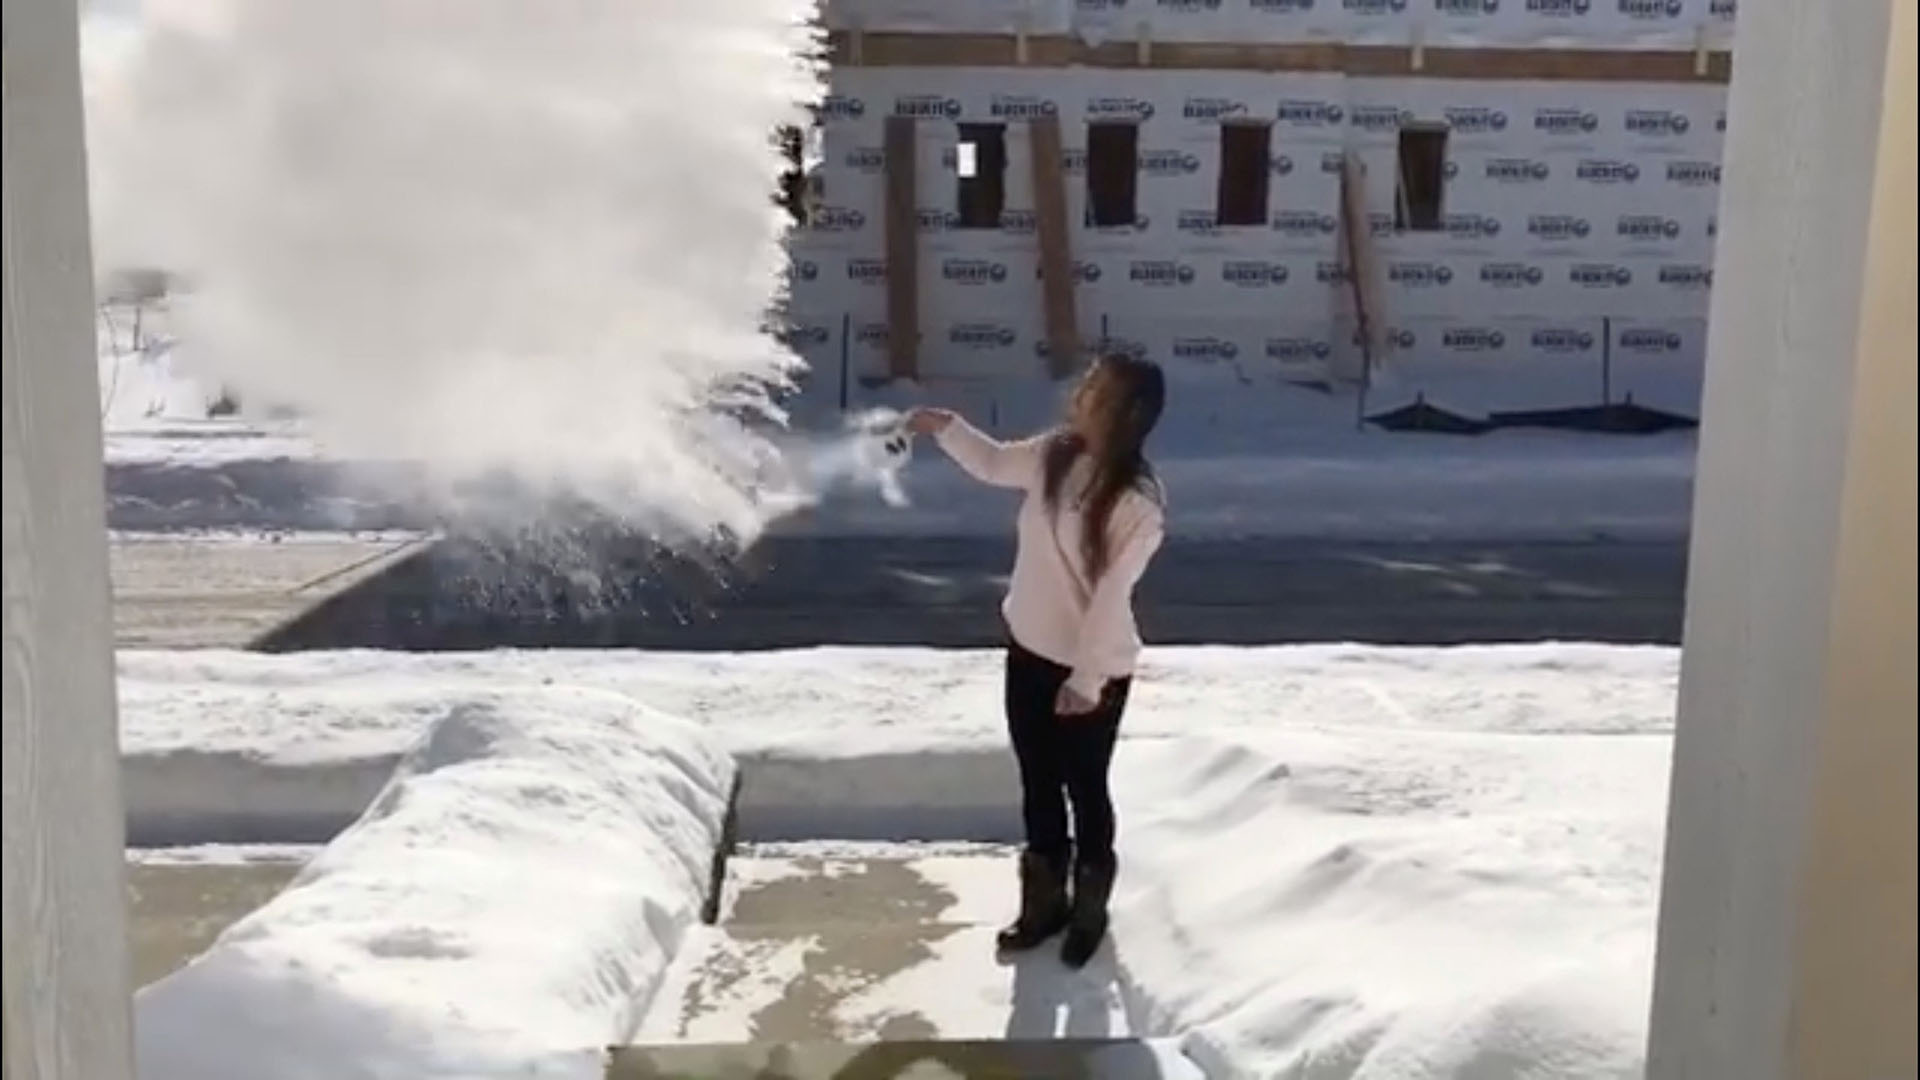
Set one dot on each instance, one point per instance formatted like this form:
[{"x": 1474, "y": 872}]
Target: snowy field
[
  {"x": 1338, "y": 861},
  {"x": 1267, "y": 462}
]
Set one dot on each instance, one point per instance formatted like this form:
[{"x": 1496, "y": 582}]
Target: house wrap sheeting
[{"x": 1578, "y": 217}]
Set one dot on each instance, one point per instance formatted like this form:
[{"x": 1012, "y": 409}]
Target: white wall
[{"x": 1787, "y": 923}]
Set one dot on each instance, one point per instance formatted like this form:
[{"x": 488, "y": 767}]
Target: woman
[{"x": 1091, "y": 521}]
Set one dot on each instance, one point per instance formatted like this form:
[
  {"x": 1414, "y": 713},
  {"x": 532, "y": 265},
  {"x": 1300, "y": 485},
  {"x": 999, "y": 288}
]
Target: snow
[
  {"x": 503, "y": 907},
  {"x": 1390, "y": 905},
  {"x": 1338, "y": 861}
]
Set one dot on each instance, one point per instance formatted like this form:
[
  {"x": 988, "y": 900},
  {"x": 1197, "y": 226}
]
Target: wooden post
[
  {"x": 903, "y": 251},
  {"x": 65, "y": 971},
  {"x": 1056, "y": 255}
]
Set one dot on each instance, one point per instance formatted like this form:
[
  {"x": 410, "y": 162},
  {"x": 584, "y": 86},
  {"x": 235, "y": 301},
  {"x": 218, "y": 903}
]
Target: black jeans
[{"x": 1063, "y": 759}]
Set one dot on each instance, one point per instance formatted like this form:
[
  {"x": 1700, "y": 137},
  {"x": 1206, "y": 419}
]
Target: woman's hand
[
  {"x": 929, "y": 421},
  {"x": 1069, "y": 703}
]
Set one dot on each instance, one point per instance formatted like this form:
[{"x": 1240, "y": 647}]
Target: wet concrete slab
[
  {"x": 874, "y": 943},
  {"x": 176, "y": 910},
  {"x": 176, "y": 592}
]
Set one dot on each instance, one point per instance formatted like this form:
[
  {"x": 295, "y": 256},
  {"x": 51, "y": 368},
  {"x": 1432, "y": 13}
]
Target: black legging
[{"x": 1062, "y": 759}]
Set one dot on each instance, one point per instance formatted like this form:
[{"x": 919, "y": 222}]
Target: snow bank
[
  {"x": 1378, "y": 904},
  {"x": 507, "y": 904},
  {"x": 849, "y": 743}
]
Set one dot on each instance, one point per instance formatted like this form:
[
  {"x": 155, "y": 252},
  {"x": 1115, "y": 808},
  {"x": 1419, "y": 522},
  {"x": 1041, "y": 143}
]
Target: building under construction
[{"x": 1510, "y": 202}]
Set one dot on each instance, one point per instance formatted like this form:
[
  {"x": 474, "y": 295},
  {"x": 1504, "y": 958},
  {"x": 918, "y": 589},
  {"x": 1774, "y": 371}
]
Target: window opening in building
[
  {"x": 1244, "y": 169},
  {"x": 1113, "y": 171},
  {"x": 1418, "y": 194},
  {"x": 980, "y": 165}
]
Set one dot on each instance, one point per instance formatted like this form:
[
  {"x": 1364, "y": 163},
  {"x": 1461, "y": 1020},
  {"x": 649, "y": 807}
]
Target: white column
[
  {"x": 65, "y": 975},
  {"x": 1787, "y": 943}
]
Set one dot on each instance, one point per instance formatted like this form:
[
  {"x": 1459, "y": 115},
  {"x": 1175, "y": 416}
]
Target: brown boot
[{"x": 1043, "y": 903}]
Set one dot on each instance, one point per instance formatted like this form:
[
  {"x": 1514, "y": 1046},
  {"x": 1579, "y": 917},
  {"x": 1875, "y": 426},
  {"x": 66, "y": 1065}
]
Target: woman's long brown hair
[{"x": 1132, "y": 404}]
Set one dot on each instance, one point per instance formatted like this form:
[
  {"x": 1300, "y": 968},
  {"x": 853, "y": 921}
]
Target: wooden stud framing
[
  {"x": 1546, "y": 65},
  {"x": 1056, "y": 256},
  {"x": 903, "y": 251}
]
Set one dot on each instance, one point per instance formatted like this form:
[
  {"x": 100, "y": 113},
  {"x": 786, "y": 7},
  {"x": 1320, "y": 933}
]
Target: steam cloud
[{"x": 521, "y": 237}]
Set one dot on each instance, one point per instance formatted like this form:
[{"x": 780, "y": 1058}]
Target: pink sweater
[{"x": 1051, "y": 607}]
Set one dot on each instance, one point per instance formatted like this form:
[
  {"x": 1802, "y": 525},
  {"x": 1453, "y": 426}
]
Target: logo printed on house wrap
[
  {"x": 1511, "y": 275},
  {"x": 1693, "y": 173},
  {"x": 1084, "y": 272},
  {"x": 1560, "y": 9},
  {"x": 866, "y": 159},
  {"x": 1471, "y": 226},
  {"x": 1297, "y": 350},
  {"x": 1646, "y": 227},
  {"x": 1649, "y": 10},
  {"x": 1600, "y": 275},
  {"x": 1517, "y": 170},
  {"x": 1021, "y": 107},
  {"x": 1606, "y": 171},
  {"x": 1160, "y": 273},
  {"x": 1469, "y": 9},
  {"x": 1253, "y": 273},
  {"x": 982, "y": 335},
  {"x": 926, "y": 106},
  {"x": 840, "y": 107},
  {"x": 1280, "y": 7},
  {"x": 1558, "y": 227},
  {"x": 1472, "y": 339},
  {"x": 1560, "y": 123},
  {"x": 1561, "y": 339},
  {"x": 1119, "y": 108},
  {"x": 871, "y": 334},
  {"x": 867, "y": 271},
  {"x": 1379, "y": 118},
  {"x": 1168, "y": 163},
  {"x": 836, "y": 219},
  {"x": 1208, "y": 349},
  {"x": 1655, "y": 123},
  {"x": 1475, "y": 119},
  {"x": 803, "y": 270},
  {"x": 1649, "y": 339},
  {"x": 1373, "y": 7},
  {"x": 1187, "y": 7},
  {"x": 1212, "y": 108},
  {"x": 973, "y": 271},
  {"x": 1331, "y": 273},
  {"x": 1309, "y": 113},
  {"x": 1686, "y": 277},
  {"x": 1301, "y": 224},
  {"x": 1419, "y": 275}
]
